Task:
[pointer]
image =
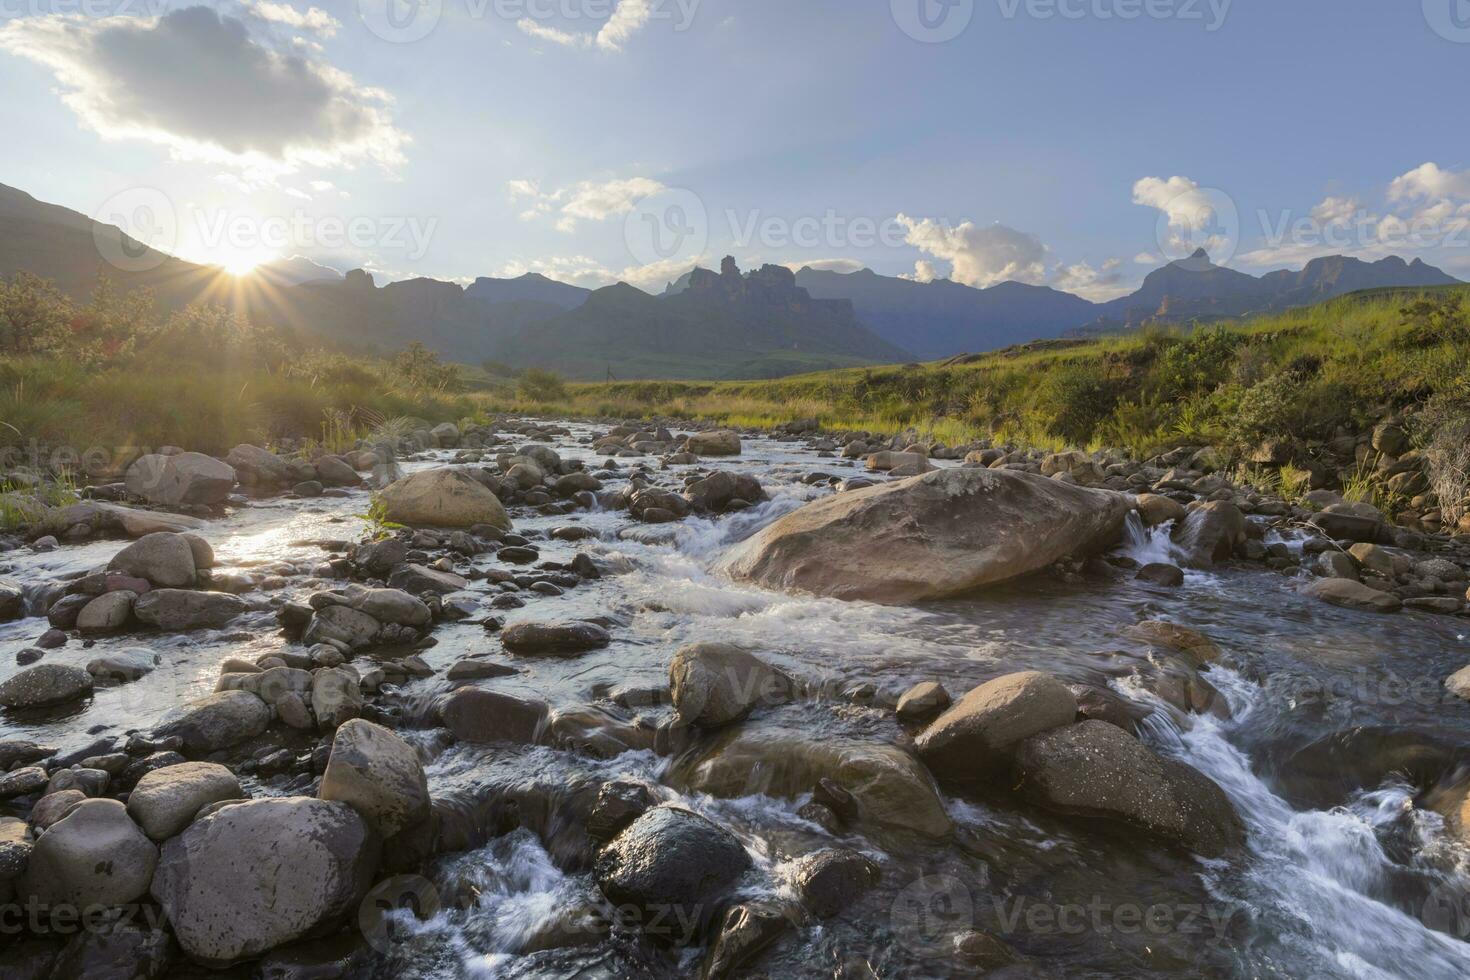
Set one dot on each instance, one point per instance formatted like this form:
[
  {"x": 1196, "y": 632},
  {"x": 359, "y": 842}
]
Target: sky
[{"x": 1070, "y": 143}]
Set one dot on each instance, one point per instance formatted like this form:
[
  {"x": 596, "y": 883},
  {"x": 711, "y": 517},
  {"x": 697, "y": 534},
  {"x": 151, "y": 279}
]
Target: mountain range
[{"x": 726, "y": 324}]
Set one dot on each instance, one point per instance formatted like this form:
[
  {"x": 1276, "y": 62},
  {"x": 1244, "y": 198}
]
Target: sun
[{"x": 241, "y": 265}]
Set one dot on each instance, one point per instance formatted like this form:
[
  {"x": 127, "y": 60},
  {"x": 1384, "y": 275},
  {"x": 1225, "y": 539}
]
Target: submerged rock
[
  {"x": 1353, "y": 595},
  {"x": 941, "y": 534},
  {"x": 554, "y": 639},
  {"x": 977, "y": 734}
]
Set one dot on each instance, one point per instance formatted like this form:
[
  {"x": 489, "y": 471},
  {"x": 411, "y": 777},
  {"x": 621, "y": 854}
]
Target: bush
[
  {"x": 542, "y": 386},
  {"x": 1079, "y": 400}
]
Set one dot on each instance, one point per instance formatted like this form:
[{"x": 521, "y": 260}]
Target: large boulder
[
  {"x": 940, "y": 534},
  {"x": 260, "y": 468},
  {"x": 253, "y": 876},
  {"x": 163, "y": 558},
  {"x": 378, "y": 774},
  {"x": 217, "y": 721},
  {"x": 1353, "y": 595},
  {"x": 476, "y": 715},
  {"x": 1210, "y": 533},
  {"x": 165, "y": 800},
  {"x": 892, "y": 788},
  {"x": 553, "y": 639},
  {"x": 976, "y": 735},
  {"x": 713, "y": 684},
  {"x": 182, "y": 479},
  {"x": 107, "y": 613},
  {"x": 720, "y": 443},
  {"x": 1096, "y": 770},
  {"x": 342, "y": 624},
  {"x": 45, "y": 684},
  {"x": 671, "y": 860},
  {"x": 336, "y": 696},
  {"x": 95, "y": 855},
  {"x": 442, "y": 498},
  {"x": 714, "y": 493},
  {"x": 183, "y": 609}
]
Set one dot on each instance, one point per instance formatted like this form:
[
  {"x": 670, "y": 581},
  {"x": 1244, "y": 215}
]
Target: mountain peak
[{"x": 1200, "y": 253}]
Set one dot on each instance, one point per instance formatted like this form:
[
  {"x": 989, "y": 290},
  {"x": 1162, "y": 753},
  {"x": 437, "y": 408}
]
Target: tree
[
  {"x": 540, "y": 385},
  {"x": 33, "y": 314}
]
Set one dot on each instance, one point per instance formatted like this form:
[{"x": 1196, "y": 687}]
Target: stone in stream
[
  {"x": 180, "y": 609},
  {"x": 379, "y": 775},
  {"x": 1156, "y": 509},
  {"x": 470, "y": 669},
  {"x": 1097, "y": 770},
  {"x": 107, "y": 613},
  {"x": 1198, "y": 648},
  {"x": 45, "y": 684},
  {"x": 745, "y": 931},
  {"x": 922, "y": 702},
  {"x": 64, "y": 611},
  {"x": 941, "y": 534},
  {"x": 342, "y": 624},
  {"x": 441, "y": 498},
  {"x": 15, "y": 847},
  {"x": 12, "y": 602},
  {"x": 123, "y": 666},
  {"x": 122, "y": 951},
  {"x": 619, "y": 803},
  {"x": 185, "y": 478},
  {"x": 715, "y": 492},
  {"x": 670, "y": 868},
  {"x": 417, "y": 579},
  {"x": 1161, "y": 573},
  {"x": 1210, "y": 533},
  {"x": 256, "y": 875},
  {"x": 976, "y": 735},
  {"x": 260, "y": 469},
  {"x": 829, "y": 881},
  {"x": 165, "y": 800},
  {"x": 1353, "y": 595},
  {"x": 899, "y": 464},
  {"x": 721, "y": 442},
  {"x": 336, "y": 696},
  {"x": 476, "y": 715},
  {"x": 95, "y": 855},
  {"x": 23, "y": 782},
  {"x": 217, "y": 721},
  {"x": 714, "y": 684},
  {"x": 22, "y": 752},
  {"x": 164, "y": 559},
  {"x": 384, "y": 605},
  {"x": 553, "y": 639}
]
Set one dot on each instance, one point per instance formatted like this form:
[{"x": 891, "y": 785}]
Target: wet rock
[
  {"x": 22, "y": 752},
  {"x": 23, "y": 782},
  {"x": 1198, "y": 649},
  {"x": 15, "y": 847},
  {"x": 714, "y": 493},
  {"x": 123, "y": 666},
  {"x": 260, "y": 468},
  {"x": 470, "y": 669},
  {"x": 719, "y": 443},
  {"x": 90, "y": 782},
  {"x": 899, "y": 464},
  {"x": 107, "y": 613},
  {"x": 475, "y": 715},
  {"x": 1104, "y": 704},
  {"x": 12, "y": 602},
  {"x": 829, "y": 881},
  {"x": 713, "y": 684},
  {"x": 217, "y": 721},
  {"x": 1336, "y": 564},
  {"x": 165, "y": 800},
  {"x": 1156, "y": 509},
  {"x": 95, "y": 855},
  {"x": 671, "y": 859},
  {"x": 378, "y": 774},
  {"x": 417, "y": 579},
  {"x": 1353, "y": 595},
  {"x": 553, "y": 639},
  {"x": 163, "y": 559},
  {"x": 1093, "y": 769},
  {"x": 335, "y": 472},
  {"x": 342, "y": 624},
  {"x": 389, "y": 605},
  {"x": 45, "y": 684},
  {"x": 442, "y": 498},
  {"x": 121, "y": 952},
  {"x": 982, "y": 950},
  {"x": 336, "y": 696},
  {"x": 52, "y": 639},
  {"x": 745, "y": 931},
  {"x": 922, "y": 702},
  {"x": 295, "y": 866},
  {"x": 1161, "y": 573},
  {"x": 976, "y": 735},
  {"x": 1211, "y": 533},
  {"x": 179, "y": 610},
  {"x": 619, "y": 803},
  {"x": 343, "y": 956},
  {"x": 185, "y": 478},
  {"x": 53, "y": 806},
  {"x": 941, "y": 534},
  {"x": 64, "y": 611}
]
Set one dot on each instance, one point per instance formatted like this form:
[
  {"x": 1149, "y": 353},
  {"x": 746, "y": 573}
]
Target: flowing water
[{"x": 1337, "y": 730}]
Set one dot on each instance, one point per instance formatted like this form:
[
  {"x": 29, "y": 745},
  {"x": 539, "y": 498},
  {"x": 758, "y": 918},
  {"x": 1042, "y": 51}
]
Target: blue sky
[{"x": 1075, "y": 143}]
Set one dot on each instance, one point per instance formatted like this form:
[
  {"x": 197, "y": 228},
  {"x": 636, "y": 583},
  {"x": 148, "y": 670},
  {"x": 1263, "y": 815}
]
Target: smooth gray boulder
[
  {"x": 341, "y": 624},
  {"x": 95, "y": 855},
  {"x": 336, "y": 696},
  {"x": 378, "y": 774},
  {"x": 1210, "y": 533},
  {"x": 940, "y": 534},
  {"x": 185, "y": 478},
  {"x": 165, "y": 800},
  {"x": 975, "y": 735},
  {"x": 256, "y": 875},
  {"x": 165, "y": 559},
  {"x": 713, "y": 684},
  {"x": 217, "y": 721},
  {"x": 181, "y": 609},
  {"x": 122, "y": 666},
  {"x": 441, "y": 498},
  {"x": 45, "y": 684},
  {"x": 107, "y": 613},
  {"x": 1353, "y": 595}
]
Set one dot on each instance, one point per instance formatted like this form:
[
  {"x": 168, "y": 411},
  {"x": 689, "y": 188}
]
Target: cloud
[
  {"x": 628, "y": 18},
  {"x": 1336, "y": 210},
  {"x": 1196, "y": 217},
  {"x": 1429, "y": 182},
  {"x": 314, "y": 19},
  {"x": 202, "y": 85},
  {"x": 589, "y": 200},
  {"x": 977, "y": 256},
  {"x": 844, "y": 266},
  {"x": 1097, "y": 284}
]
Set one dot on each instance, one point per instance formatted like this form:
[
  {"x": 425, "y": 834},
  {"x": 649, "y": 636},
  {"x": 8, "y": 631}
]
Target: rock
[
  {"x": 1439, "y": 605},
  {"x": 1161, "y": 573},
  {"x": 123, "y": 666},
  {"x": 1390, "y": 439},
  {"x": 107, "y": 613},
  {"x": 178, "y": 610},
  {"x": 671, "y": 860},
  {"x": 379, "y": 775},
  {"x": 887, "y": 786},
  {"x": 1376, "y": 559},
  {"x": 941, "y": 534},
  {"x": 1156, "y": 509},
  {"x": 470, "y": 669},
  {"x": 165, "y": 800},
  {"x": 12, "y": 602},
  {"x": 1336, "y": 564},
  {"x": 120, "y": 952},
  {"x": 22, "y": 782},
  {"x": 720, "y": 443},
  {"x": 416, "y": 579},
  {"x": 829, "y": 881},
  {"x": 390, "y": 606},
  {"x": 475, "y": 715},
  {"x": 163, "y": 558},
  {"x": 15, "y": 847},
  {"x": 715, "y": 492},
  {"x": 64, "y": 611},
  {"x": 1096, "y": 770},
  {"x": 982, "y": 950},
  {"x": 922, "y": 702},
  {"x": 1458, "y": 683},
  {"x": 22, "y": 752},
  {"x": 977, "y": 734},
  {"x": 1198, "y": 648},
  {"x": 1210, "y": 533},
  {"x": 342, "y": 624},
  {"x": 294, "y": 867},
  {"x": 899, "y": 464},
  {"x": 53, "y": 806},
  {"x": 260, "y": 468},
  {"x": 619, "y": 803},
  {"x": 553, "y": 639},
  {"x": 1353, "y": 595},
  {"x": 95, "y": 855},
  {"x": 745, "y": 931},
  {"x": 441, "y": 498},
  {"x": 186, "y": 478},
  {"x": 713, "y": 684},
  {"x": 335, "y": 472},
  {"x": 336, "y": 697},
  {"x": 45, "y": 684},
  {"x": 217, "y": 721}
]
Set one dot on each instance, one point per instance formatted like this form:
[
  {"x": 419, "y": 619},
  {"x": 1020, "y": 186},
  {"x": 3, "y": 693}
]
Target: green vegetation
[{"x": 116, "y": 373}]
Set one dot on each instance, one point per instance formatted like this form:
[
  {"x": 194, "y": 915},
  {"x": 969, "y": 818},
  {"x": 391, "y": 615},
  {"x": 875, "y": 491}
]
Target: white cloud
[
  {"x": 1336, "y": 210},
  {"x": 628, "y": 18},
  {"x": 314, "y": 19},
  {"x": 534, "y": 28},
  {"x": 589, "y": 200},
  {"x": 1097, "y": 284},
  {"x": 1195, "y": 216},
  {"x": 245, "y": 103},
  {"x": 977, "y": 256},
  {"x": 1147, "y": 258},
  {"x": 844, "y": 266},
  {"x": 1429, "y": 182}
]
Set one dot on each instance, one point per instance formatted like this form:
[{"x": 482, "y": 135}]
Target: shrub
[{"x": 539, "y": 385}]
